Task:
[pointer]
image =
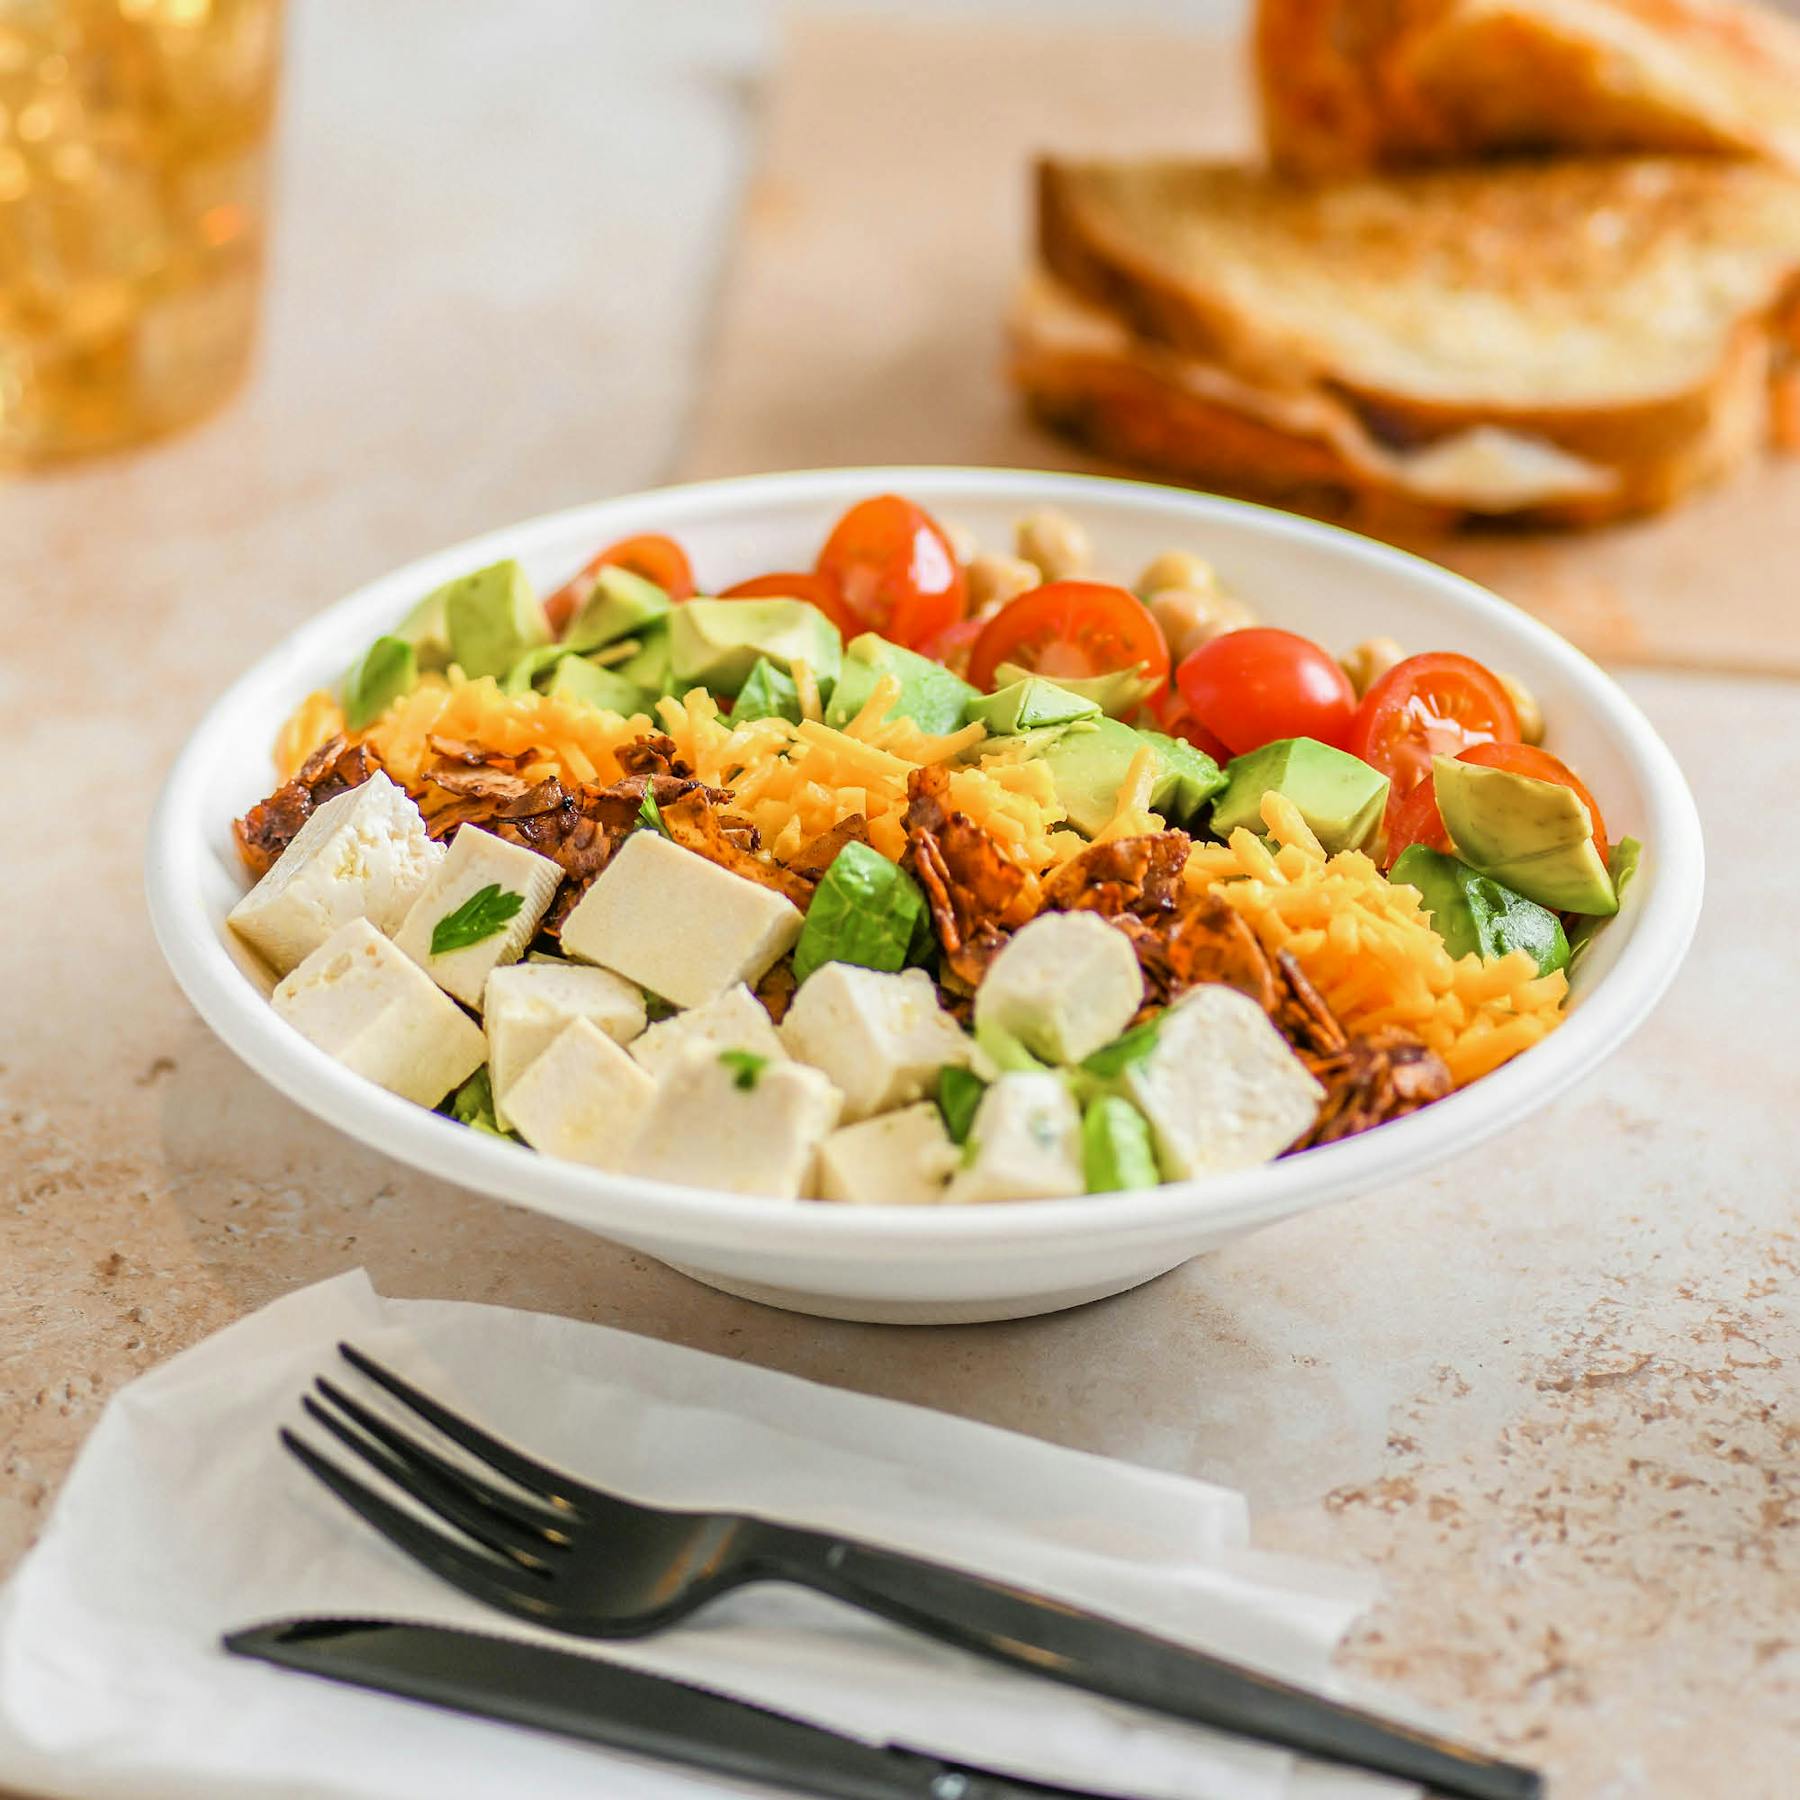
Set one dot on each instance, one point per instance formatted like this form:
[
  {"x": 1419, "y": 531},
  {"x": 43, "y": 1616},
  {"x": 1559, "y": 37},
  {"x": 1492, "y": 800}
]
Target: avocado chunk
[
  {"x": 864, "y": 911},
  {"x": 1119, "y": 693},
  {"x": 1474, "y": 914},
  {"x": 1116, "y": 1153},
  {"x": 619, "y": 604},
  {"x": 936, "y": 699},
  {"x": 1028, "y": 705},
  {"x": 492, "y": 618},
  {"x": 648, "y": 666},
  {"x": 1532, "y": 836},
  {"x": 1089, "y": 760},
  {"x": 1339, "y": 796},
  {"x": 578, "y": 679},
  {"x": 767, "y": 693},
  {"x": 959, "y": 1092},
  {"x": 387, "y": 669},
  {"x": 424, "y": 628},
  {"x": 716, "y": 643}
]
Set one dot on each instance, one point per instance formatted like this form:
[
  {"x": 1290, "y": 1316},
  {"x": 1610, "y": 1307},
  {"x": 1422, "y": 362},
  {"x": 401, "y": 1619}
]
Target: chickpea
[
  {"x": 994, "y": 580},
  {"x": 1055, "y": 543},
  {"x": 1190, "y": 617},
  {"x": 1177, "y": 569},
  {"x": 1369, "y": 661},
  {"x": 1531, "y": 715},
  {"x": 963, "y": 543}
]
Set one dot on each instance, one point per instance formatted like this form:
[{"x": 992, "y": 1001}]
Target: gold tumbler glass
[{"x": 134, "y": 152}]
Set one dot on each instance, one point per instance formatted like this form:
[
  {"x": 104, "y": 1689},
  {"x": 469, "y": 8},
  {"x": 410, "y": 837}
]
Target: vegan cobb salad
[{"x": 925, "y": 875}]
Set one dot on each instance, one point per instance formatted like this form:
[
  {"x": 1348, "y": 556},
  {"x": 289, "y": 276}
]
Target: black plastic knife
[{"x": 649, "y": 1715}]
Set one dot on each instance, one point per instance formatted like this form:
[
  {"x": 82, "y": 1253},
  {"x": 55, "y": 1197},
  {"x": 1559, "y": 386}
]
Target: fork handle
[{"x": 1045, "y": 1637}]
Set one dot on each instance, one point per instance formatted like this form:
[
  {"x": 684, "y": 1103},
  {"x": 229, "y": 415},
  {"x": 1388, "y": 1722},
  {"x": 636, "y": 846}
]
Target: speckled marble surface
[{"x": 1547, "y": 1391}]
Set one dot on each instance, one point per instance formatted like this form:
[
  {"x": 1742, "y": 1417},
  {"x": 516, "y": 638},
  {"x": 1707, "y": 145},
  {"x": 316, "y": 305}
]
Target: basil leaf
[
  {"x": 1118, "y": 1056},
  {"x": 388, "y": 669},
  {"x": 746, "y": 1067},
  {"x": 486, "y": 911},
  {"x": 959, "y": 1092},
  {"x": 864, "y": 911}
]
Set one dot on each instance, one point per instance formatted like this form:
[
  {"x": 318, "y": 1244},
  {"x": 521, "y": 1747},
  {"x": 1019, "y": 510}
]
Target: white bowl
[{"x": 946, "y": 1264}]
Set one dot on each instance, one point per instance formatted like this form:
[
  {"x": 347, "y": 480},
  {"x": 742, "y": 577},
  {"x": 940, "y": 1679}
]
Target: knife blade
[{"x": 600, "y": 1702}]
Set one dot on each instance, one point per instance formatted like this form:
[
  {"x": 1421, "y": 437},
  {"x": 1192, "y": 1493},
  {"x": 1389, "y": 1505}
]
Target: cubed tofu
[
  {"x": 363, "y": 1001},
  {"x": 478, "y": 860},
  {"x": 881, "y": 1038},
  {"x": 737, "y": 1020},
  {"x": 724, "y": 1120},
  {"x": 1024, "y": 1143},
  {"x": 362, "y": 855},
  {"x": 525, "y": 1005},
  {"x": 1221, "y": 1088},
  {"x": 678, "y": 925},
  {"x": 581, "y": 1098},
  {"x": 902, "y": 1158},
  {"x": 1066, "y": 984}
]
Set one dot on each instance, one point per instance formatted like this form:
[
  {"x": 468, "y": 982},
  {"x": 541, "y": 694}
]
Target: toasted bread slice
[
  {"x": 1140, "y": 403},
  {"x": 1352, "y": 84},
  {"x": 1602, "y": 305}
]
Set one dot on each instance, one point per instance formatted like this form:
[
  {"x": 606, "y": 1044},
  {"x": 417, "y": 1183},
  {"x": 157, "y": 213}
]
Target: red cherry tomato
[
  {"x": 808, "y": 586},
  {"x": 653, "y": 556},
  {"x": 1171, "y": 715},
  {"x": 1435, "y": 705},
  {"x": 952, "y": 645},
  {"x": 1416, "y": 820},
  {"x": 894, "y": 568},
  {"x": 1251, "y": 687},
  {"x": 1540, "y": 765},
  {"x": 1071, "y": 628}
]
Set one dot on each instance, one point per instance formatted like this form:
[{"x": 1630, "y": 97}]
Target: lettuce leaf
[{"x": 864, "y": 911}]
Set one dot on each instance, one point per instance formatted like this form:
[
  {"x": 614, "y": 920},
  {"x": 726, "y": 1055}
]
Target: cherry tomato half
[
  {"x": 1251, "y": 687},
  {"x": 894, "y": 568},
  {"x": 1171, "y": 715},
  {"x": 1071, "y": 628},
  {"x": 1540, "y": 765},
  {"x": 1434, "y": 705},
  {"x": 1416, "y": 820},
  {"x": 808, "y": 586},
  {"x": 651, "y": 555}
]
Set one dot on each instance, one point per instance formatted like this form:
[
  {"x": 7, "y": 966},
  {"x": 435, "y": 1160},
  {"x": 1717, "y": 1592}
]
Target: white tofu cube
[
  {"x": 1221, "y": 1088},
  {"x": 902, "y": 1158},
  {"x": 363, "y": 855},
  {"x": 361, "y": 1000},
  {"x": 881, "y": 1038},
  {"x": 737, "y": 1020},
  {"x": 1024, "y": 1143},
  {"x": 580, "y": 1098},
  {"x": 678, "y": 925},
  {"x": 478, "y": 860},
  {"x": 525, "y": 1005},
  {"x": 1066, "y": 984},
  {"x": 722, "y": 1119}
]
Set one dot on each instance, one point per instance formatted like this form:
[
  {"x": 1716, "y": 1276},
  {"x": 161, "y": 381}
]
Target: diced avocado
[
  {"x": 1089, "y": 760},
  {"x": 1118, "y": 694},
  {"x": 768, "y": 693},
  {"x": 620, "y": 604},
  {"x": 1532, "y": 836},
  {"x": 388, "y": 669},
  {"x": 1028, "y": 705},
  {"x": 530, "y": 667},
  {"x": 1473, "y": 913},
  {"x": 578, "y": 679},
  {"x": 425, "y": 630},
  {"x": 716, "y": 643},
  {"x": 648, "y": 667},
  {"x": 863, "y": 911},
  {"x": 936, "y": 699},
  {"x": 492, "y": 618},
  {"x": 1002, "y": 1053},
  {"x": 1338, "y": 795},
  {"x": 959, "y": 1092},
  {"x": 1116, "y": 1153},
  {"x": 1622, "y": 866},
  {"x": 472, "y": 1104}
]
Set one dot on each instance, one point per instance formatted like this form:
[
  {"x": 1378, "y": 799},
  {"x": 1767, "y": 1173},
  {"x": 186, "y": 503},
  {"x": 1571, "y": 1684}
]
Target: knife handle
[{"x": 1045, "y": 1637}]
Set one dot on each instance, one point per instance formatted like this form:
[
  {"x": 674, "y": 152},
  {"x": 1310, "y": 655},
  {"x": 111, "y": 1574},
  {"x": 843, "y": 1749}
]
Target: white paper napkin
[{"x": 183, "y": 1518}]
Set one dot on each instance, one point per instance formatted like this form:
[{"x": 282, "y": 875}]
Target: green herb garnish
[
  {"x": 769, "y": 692},
  {"x": 746, "y": 1067},
  {"x": 959, "y": 1092},
  {"x": 473, "y": 1105},
  {"x": 650, "y": 814},
  {"x": 1622, "y": 866},
  {"x": 866, "y": 910},
  {"x": 1118, "y": 1056},
  {"x": 486, "y": 911}
]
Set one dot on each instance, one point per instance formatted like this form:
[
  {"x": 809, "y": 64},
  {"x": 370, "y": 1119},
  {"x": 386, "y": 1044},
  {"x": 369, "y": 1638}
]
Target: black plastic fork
[{"x": 566, "y": 1555}]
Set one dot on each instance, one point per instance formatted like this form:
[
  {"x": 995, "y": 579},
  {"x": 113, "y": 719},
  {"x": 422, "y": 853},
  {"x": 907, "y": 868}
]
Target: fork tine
[
  {"x": 479, "y": 1576},
  {"x": 536, "y": 1477},
  {"x": 456, "y": 1502}
]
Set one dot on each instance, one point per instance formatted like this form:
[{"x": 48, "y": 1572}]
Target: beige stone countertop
[{"x": 1547, "y": 1391}]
